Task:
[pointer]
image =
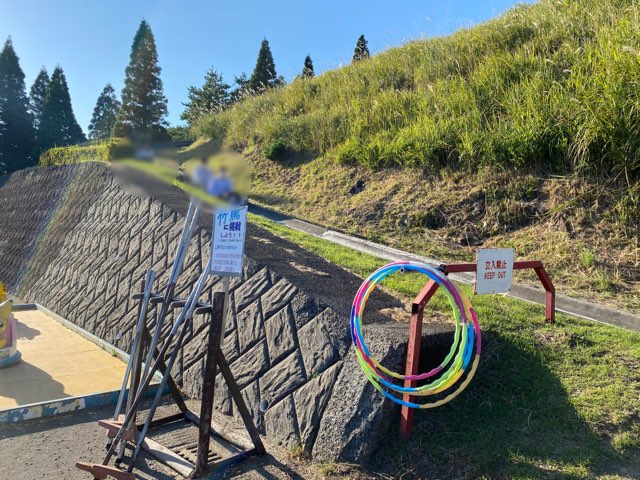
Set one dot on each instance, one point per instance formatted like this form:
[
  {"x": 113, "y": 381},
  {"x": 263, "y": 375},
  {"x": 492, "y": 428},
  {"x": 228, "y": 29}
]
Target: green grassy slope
[
  {"x": 553, "y": 84},
  {"x": 523, "y": 131}
]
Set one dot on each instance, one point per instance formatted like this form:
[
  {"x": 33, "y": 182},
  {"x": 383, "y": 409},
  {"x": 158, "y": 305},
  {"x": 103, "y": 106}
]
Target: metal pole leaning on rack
[
  {"x": 148, "y": 286},
  {"x": 137, "y": 354},
  {"x": 183, "y": 318},
  {"x": 189, "y": 308},
  {"x": 183, "y": 245},
  {"x": 190, "y": 223}
]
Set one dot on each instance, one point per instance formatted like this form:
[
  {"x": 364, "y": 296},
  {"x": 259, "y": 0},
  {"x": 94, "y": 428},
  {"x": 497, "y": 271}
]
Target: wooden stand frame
[
  {"x": 214, "y": 360},
  {"x": 417, "y": 313}
]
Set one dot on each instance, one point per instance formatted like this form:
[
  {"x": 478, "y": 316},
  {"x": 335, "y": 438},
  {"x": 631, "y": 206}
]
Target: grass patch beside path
[{"x": 553, "y": 401}]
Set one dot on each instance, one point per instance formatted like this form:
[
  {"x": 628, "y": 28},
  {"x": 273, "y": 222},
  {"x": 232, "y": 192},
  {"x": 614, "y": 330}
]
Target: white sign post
[
  {"x": 227, "y": 249},
  {"x": 229, "y": 230},
  {"x": 494, "y": 271}
]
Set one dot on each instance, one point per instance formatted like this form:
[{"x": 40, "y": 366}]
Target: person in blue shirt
[{"x": 220, "y": 185}]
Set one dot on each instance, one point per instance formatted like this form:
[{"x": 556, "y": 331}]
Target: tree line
[
  {"x": 216, "y": 95},
  {"x": 29, "y": 124},
  {"x": 33, "y": 123}
]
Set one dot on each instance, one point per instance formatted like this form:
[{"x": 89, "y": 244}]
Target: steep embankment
[
  {"x": 569, "y": 223},
  {"x": 522, "y": 131}
]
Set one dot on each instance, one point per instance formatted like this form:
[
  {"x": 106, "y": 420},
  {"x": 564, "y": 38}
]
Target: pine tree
[
  {"x": 144, "y": 106},
  {"x": 361, "y": 51},
  {"x": 242, "y": 88},
  {"x": 264, "y": 75},
  {"x": 104, "y": 114},
  {"x": 17, "y": 136},
  {"x": 58, "y": 125},
  {"x": 307, "y": 70},
  {"x": 214, "y": 96},
  {"x": 37, "y": 94}
]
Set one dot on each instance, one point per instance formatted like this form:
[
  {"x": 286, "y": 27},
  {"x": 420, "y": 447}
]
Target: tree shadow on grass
[{"x": 515, "y": 419}]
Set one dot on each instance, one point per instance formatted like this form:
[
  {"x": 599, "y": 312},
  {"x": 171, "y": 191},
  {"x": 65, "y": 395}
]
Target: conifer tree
[
  {"x": 264, "y": 74},
  {"x": 307, "y": 70},
  {"x": 37, "y": 95},
  {"x": 144, "y": 106},
  {"x": 104, "y": 114},
  {"x": 242, "y": 88},
  {"x": 361, "y": 51},
  {"x": 214, "y": 96},
  {"x": 58, "y": 125},
  {"x": 16, "y": 126}
]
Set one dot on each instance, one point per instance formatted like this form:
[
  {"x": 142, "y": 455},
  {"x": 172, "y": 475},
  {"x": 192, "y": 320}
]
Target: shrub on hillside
[
  {"x": 212, "y": 126},
  {"x": 103, "y": 151},
  {"x": 180, "y": 134},
  {"x": 274, "y": 149}
]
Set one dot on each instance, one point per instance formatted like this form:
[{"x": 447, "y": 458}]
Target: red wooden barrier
[{"x": 417, "y": 311}]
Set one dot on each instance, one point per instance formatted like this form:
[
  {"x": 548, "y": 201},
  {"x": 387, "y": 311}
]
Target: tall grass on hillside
[{"x": 553, "y": 85}]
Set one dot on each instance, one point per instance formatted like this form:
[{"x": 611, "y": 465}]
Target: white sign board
[
  {"x": 227, "y": 246},
  {"x": 494, "y": 271}
]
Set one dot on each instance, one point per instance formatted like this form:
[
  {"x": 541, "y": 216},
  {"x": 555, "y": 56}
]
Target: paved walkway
[
  {"x": 564, "y": 304},
  {"x": 56, "y": 363},
  {"x": 48, "y": 448}
]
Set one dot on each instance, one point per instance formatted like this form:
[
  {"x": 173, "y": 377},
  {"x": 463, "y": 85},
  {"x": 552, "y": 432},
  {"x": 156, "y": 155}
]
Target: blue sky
[{"x": 91, "y": 39}]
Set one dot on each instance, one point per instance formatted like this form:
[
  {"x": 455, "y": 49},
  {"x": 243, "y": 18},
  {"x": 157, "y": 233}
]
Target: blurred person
[
  {"x": 146, "y": 152},
  {"x": 220, "y": 185},
  {"x": 202, "y": 174}
]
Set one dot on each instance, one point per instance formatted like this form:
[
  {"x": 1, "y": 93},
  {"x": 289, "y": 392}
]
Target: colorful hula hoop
[{"x": 467, "y": 338}]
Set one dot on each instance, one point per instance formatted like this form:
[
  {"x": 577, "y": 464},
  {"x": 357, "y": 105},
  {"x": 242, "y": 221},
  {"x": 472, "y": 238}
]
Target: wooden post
[
  {"x": 550, "y": 303},
  {"x": 209, "y": 382},
  {"x": 413, "y": 352},
  {"x": 239, "y": 402}
]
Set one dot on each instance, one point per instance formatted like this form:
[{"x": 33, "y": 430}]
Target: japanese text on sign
[
  {"x": 494, "y": 271},
  {"x": 229, "y": 229}
]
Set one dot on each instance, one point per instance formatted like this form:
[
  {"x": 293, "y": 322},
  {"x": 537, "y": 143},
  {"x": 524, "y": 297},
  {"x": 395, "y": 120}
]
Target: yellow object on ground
[{"x": 56, "y": 363}]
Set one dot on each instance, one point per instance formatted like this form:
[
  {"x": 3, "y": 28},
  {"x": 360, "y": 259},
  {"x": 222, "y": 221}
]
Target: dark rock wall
[{"x": 78, "y": 243}]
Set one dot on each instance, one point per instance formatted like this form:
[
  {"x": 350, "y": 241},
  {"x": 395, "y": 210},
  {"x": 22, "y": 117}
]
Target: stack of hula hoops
[{"x": 445, "y": 379}]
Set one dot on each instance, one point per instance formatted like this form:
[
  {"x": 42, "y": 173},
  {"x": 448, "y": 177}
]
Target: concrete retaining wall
[{"x": 79, "y": 243}]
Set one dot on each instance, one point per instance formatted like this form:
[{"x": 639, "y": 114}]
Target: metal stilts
[
  {"x": 139, "y": 375},
  {"x": 185, "y": 238},
  {"x": 131, "y": 363}
]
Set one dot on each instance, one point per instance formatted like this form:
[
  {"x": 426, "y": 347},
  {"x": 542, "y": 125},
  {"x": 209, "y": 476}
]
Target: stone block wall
[{"x": 80, "y": 244}]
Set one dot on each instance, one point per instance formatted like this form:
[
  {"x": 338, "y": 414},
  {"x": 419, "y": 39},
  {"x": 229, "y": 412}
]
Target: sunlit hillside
[{"x": 522, "y": 131}]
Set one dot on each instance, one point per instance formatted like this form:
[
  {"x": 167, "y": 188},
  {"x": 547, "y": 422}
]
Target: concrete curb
[{"x": 568, "y": 305}]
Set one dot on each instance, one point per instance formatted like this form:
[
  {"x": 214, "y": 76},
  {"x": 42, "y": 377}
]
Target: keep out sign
[{"x": 494, "y": 271}]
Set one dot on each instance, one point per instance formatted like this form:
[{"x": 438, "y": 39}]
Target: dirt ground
[{"x": 48, "y": 449}]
